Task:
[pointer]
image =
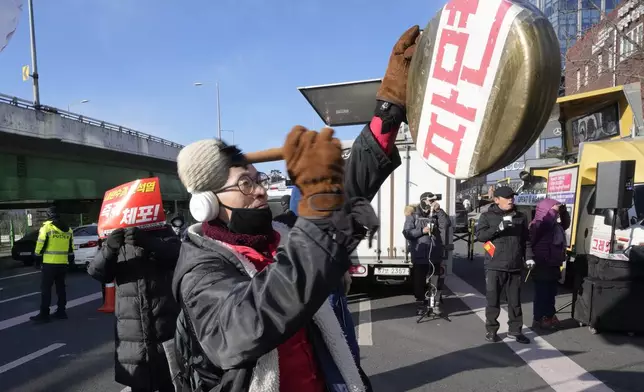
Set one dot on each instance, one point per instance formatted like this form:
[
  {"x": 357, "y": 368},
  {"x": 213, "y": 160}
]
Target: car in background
[
  {"x": 23, "y": 249},
  {"x": 86, "y": 244},
  {"x": 275, "y": 204}
]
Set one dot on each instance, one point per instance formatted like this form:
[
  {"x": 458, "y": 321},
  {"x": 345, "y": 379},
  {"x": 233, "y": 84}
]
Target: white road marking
[
  {"x": 30, "y": 357},
  {"x": 19, "y": 297},
  {"x": 19, "y": 275},
  {"x": 560, "y": 372},
  {"x": 12, "y": 322},
  {"x": 365, "y": 337}
]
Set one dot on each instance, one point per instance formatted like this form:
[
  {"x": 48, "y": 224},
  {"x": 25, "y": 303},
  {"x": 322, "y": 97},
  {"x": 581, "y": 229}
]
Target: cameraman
[
  {"x": 427, "y": 229},
  {"x": 504, "y": 230}
]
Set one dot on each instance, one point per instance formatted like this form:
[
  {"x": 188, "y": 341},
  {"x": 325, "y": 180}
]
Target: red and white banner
[
  {"x": 469, "y": 44},
  {"x": 135, "y": 204}
]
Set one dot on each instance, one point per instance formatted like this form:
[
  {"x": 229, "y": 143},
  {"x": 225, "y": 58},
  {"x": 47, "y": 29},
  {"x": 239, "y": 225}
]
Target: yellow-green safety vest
[{"x": 57, "y": 244}]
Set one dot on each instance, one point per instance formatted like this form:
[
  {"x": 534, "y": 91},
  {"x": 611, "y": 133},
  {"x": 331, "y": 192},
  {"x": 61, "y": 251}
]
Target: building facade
[
  {"x": 611, "y": 53},
  {"x": 572, "y": 18}
]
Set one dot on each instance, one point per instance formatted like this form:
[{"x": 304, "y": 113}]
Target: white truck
[{"x": 387, "y": 261}]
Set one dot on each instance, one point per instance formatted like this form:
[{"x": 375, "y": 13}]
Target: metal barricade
[{"x": 468, "y": 237}]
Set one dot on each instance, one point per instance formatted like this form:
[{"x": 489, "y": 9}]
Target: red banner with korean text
[{"x": 134, "y": 204}]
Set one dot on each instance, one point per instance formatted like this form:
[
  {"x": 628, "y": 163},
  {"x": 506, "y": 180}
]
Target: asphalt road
[{"x": 398, "y": 353}]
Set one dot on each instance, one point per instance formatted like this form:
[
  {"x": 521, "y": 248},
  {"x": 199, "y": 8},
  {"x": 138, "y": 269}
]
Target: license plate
[
  {"x": 75, "y": 247},
  {"x": 25, "y": 253},
  {"x": 392, "y": 271}
]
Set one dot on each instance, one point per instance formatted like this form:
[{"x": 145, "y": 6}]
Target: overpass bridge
[{"x": 51, "y": 156}]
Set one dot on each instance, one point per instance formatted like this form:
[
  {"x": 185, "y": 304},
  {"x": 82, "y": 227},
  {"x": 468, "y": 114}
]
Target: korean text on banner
[{"x": 135, "y": 204}]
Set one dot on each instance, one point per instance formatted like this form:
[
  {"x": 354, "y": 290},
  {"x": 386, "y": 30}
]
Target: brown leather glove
[
  {"x": 314, "y": 163},
  {"x": 394, "y": 85}
]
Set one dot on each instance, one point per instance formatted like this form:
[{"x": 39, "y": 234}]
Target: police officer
[
  {"x": 55, "y": 246},
  {"x": 178, "y": 225},
  {"x": 504, "y": 232},
  {"x": 427, "y": 230}
]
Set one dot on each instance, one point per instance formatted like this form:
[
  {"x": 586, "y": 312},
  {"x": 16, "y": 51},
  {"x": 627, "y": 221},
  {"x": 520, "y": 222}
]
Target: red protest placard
[{"x": 137, "y": 203}]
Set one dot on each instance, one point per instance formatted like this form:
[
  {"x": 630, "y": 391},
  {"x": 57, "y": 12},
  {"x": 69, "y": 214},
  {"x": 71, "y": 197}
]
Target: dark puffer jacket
[
  {"x": 230, "y": 320},
  {"x": 146, "y": 311},
  {"x": 424, "y": 247},
  {"x": 512, "y": 246},
  {"x": 547, "y": 235}
]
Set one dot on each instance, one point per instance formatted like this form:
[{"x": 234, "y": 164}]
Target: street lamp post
[
  {"x": 75, "y": 103},
  {"x": 34, "y": 60},
  {"x": 199, "y": 84}
]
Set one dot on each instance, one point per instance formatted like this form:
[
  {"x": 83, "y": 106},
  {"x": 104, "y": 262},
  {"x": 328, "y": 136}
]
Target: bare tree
[
  {"x": 276, "y": 176},
  {"x": 612, "y": 49}
]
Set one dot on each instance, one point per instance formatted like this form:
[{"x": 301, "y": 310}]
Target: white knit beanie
[{"x": 204, "y": 166}]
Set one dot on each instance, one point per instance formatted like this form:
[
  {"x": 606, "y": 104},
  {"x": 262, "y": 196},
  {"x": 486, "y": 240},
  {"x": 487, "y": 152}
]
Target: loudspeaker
[{"x": 615, "y": 184}]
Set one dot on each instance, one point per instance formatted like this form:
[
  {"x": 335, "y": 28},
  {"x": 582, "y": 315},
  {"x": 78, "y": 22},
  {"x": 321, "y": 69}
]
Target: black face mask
[{"x": 250, "y": 220}]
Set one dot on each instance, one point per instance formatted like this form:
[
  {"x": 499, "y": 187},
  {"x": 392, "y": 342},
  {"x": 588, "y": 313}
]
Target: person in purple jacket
[{"x": 547, "y": 235}]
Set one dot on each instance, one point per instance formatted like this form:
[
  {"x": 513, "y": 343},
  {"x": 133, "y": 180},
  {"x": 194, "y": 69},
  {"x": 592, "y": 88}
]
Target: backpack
[{"x": 196, "y": 373}]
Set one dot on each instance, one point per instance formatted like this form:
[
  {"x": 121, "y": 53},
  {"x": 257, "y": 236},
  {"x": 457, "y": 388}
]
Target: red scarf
[{"x": 298, "y": 368}]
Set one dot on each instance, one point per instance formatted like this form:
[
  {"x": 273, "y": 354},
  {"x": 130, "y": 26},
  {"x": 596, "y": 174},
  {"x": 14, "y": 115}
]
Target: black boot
[
  {"x": 492, "y": 337},
  {"x": 519, "y": 337},
  {"x": 60, "y": 315},
  {"x": 40, "y": 318}
]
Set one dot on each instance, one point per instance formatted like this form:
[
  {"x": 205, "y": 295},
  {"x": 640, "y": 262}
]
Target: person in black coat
[
  {"x": 505, "y": 234},
  {"x": 142, "y": 264},
  {"x": 427, "y": 230}
]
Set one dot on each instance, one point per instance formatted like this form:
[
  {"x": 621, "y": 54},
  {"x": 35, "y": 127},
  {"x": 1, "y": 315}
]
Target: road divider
[
  {"x": 21, "y": 361},
  {"x": 365, "y": 334},
  {"x": 12, "y": 322},
  {"x": 18, "y": 297},
  {"x": 19, "y": 275}
]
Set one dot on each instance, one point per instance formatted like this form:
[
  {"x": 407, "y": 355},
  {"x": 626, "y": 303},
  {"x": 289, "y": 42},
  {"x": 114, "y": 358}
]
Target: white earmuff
[{"x": 204, "y": 206}]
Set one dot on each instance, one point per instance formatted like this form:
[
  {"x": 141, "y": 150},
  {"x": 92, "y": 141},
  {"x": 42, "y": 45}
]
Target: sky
[{"x": 136, "y": 61}]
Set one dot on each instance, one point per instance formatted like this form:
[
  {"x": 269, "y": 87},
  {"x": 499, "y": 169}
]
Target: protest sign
[{"x": 134, "y": 204}]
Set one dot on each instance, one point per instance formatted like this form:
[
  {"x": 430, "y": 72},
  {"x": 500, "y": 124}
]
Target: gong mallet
[{"x": 270, "y": 155}]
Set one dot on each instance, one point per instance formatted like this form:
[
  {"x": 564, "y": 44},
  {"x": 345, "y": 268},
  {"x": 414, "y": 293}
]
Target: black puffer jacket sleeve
[
  {"x": 444, "y": 224},
  {"x": 484, "y": 232},
  {"x": 238, "y": 319},
  {"x": 103, "y": 267},
  {"x": 368, "y": 166},
  {"x": 410, "y": 230}
]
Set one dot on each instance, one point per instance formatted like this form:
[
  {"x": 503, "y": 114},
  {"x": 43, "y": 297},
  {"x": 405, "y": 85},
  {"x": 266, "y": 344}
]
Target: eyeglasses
[{"x": 247, "y": 185}]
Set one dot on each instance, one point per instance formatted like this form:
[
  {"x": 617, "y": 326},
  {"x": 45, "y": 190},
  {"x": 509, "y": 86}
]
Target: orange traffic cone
[{"x": 110, "y": 297}]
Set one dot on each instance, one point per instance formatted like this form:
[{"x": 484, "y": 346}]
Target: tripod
[{"x": 433, "y": 297}]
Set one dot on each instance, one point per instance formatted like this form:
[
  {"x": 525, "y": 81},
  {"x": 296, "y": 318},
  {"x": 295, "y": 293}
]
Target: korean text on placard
[{"x": 140, "y": 215}]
